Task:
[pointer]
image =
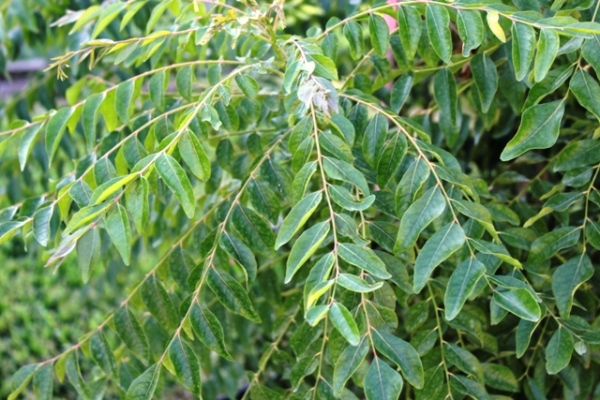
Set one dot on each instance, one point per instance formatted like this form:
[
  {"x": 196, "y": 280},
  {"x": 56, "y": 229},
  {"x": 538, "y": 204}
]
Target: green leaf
[
  {"x": 469, "y": 387},
  {"x": 318, "y": 274},
  {"x": 539, "y": 129},
  {"x": 523, "y": 48},
  {"x": 559, "y": 350},
  {"x": 175, "y": 178},
  {"x": 550, "y": 243},
  {"x": 342, "y": 320},
  {"x": 374, "y": 138},
  {"x": 343, "y": 171},
  {"x": 486, "y": 79},
  {"x": 409, "y": 29},
  {"x": 159, "y": 303},
  {"x": 464, "y": 360},
  {"x": 41, "y": 224},
  {"x": 43, "y": 382},
  {"x": 194, "y": 155},
  {"x": 402, "y": 354},
  {"x": 446, "y": 96},
  {"x": 391, "y": 158},
  {"x": 500, "y": 377},
  {"x": 380, "y": 35},
  {"x": 253, "y": 229},
  {"x": 123, "y": 99},
  {"x": 103, "y": 355},
  {"x": 438, "y": 248},
  {"x": 88, "y": 252},
  {"x": 85, "y": 215},
  {"x": 356, "y": 284},
  {"x": 136, "y": 202},
  {"x": 461, "y": 285},
  {"x": 342, "y": 197},
  {"x": 470, "y": 29},
  {"x": 578, "y": 154},
  {"x": 74, "y": 375},
  {"x": 518, "y": 301},
  {"x": 110, "y": 187},
  {"x": 143, "y": 387},
  {"x": 156, "y": 87},
  {"x": 240, "y": 253},
  {"x": 119, "y": 230},
  {"x": 382, "y": 382},
  {"x": 25, "y": 145},
  {"x": 547, "y": 49},
  {"x": 183, "y": 81},
  {"x": 297, "y": 217},
  {"x": 347, "y": 364},
  {"x": 247, "y": 85},
  {"x": 185, "y": 362},
  {"x": 417, "y": 217},
  {"x": 343, "y": 127},
  {"x": 130, "y": 332},
  {"x": 231, "y": 294},
  {"x": 55, "y": 129},
  {"x": 567, "y": 278},
  {"x": 324, "y": 66},
  {"x": 209, "y": 330},
  {"x": 525, "y": 330},
  {"x": 364, "y": 259},
  {"x": 589, "y": 51},
  {"x": 592, "y": 234},
  {"x": 438, "y": 21},
  {"x": 587, "y": 91},
  {"x": 354, "y": 35},
  {"x": 412, "y": 180},
  {"x": 108, "y": 14},
  {"x": 400, "y": 92},
  {"x": 304, "y": 247},
  {"x": 21, "y": 379}
]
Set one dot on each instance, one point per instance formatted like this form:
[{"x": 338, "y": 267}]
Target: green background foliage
[{"x": 296, "y": 200}]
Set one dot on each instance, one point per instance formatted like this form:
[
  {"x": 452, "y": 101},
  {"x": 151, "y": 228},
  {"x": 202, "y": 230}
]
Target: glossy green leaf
[
  {"x": 55, "y": 130},
  {"x": 567, "y": 278},
  {"x": 525, "y": 330},
  {"x": 240, "y": 253},
  {"x": 356, "y": 284},
  {"x": 209, "y": 330},
  {"x": 469, "y": 387},
  {"x": 578, "y": 154},
  {"x": 159, "y": 303},
  {"x": 119, "y": 230},
  {"x": 130, "y": 332},
  {"x": 253, "y": 229},
  {"x": 382, "y": 382},
  {"x": 343, "y": 321},
  {"x": 41, "y": 224},
  {"x": 26, "y": 143},
  {"x": 348, "y": 364},
  {"x": 123, "y": 99},
  {"x": 297, "y": 217},
  {"x": 43, "y": 382},
  {"x": 374, "y": 138},
  {"x": 486, "y": 79},
  {"x": 304, "y": 247},
  {"x": 143, "y": 387},
  {"x": 587, "y": 91},
  {"x": 194, "y": 155},
  {"x": 518, "y": 301},
  {"x": 363, "y": 258},
  {"x": 402, "y": 354},
  {"x": 175, "y": 178},
  {"x": 547, "y": 49},
  {"x": 461, "y": 285},
  {"x": 186, "y": 364},
  {"x": 21, "y": 379},
  {"x": 464, "y": 360},
  {"x": 523, "y": 48},
  {"x": 498, "y": 376},
  {"x": 110, "y": 187},
  {"x": 540, "y": 125},
  {"x": 342, "y": 197},
  {"x": 550, "y": 243},
  {"x": 438, "y": 21},
  {"x": 156, "y": 87},
  {"x": 409, "y": 29},
  {"x": 85, "y": 215},
  {"x": 412, "y": 180},
  {"x": 354, "y": 35},
  {"x": 446, "y": 96},
  {"x": 183, "y": 81},
  {"x": 231, "y": 294},
  {"x": 470, "y": 29},
  {"x": 380, "y": 35},
  {"x": 417, "y": 217},
  {"x": 559, "y": 350},
  {"x": 400, "y": 92},
  {"x": 247, "y": 85},
  {"x": 343, "y": 171},
  {"x": 74, "y": 375},
  {"x": 103, "y": 355},
  {"x": 391, "y": 158},
  {"x": 136, "y": 202},
  {"x": 438, "y": 248}
]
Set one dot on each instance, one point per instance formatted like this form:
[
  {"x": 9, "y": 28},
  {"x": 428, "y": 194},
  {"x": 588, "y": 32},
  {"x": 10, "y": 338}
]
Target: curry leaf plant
[{"x": 318, "y": 200}]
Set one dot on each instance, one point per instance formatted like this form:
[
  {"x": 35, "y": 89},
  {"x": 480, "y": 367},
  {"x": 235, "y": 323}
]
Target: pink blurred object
[{"x": 392, "y": 24}]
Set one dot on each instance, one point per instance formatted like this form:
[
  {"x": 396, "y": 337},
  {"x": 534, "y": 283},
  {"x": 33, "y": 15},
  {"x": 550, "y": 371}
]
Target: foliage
[{"x": 338, "y": 209}]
